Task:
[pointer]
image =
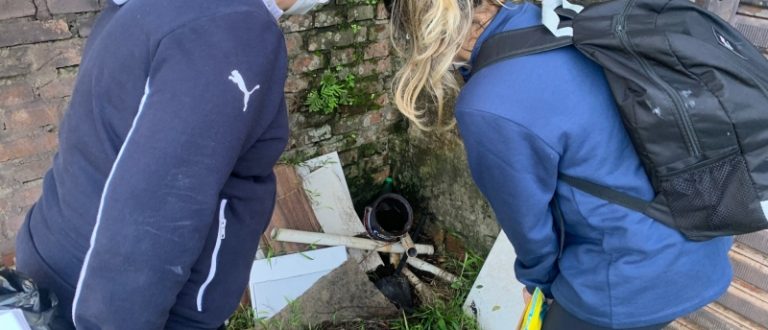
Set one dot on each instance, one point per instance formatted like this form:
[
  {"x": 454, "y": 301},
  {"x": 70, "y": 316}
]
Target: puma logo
[{"x": 238, "y": 79}]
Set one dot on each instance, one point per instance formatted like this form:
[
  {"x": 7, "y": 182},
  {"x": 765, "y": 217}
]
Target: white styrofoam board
[
  {"x": 329, "y": 160},
  {"x": 496, "y": 296},
  {"x": 325, "y": 184},
  {"x": 13, "y": 319},
  {"x": 276, "y": 281}
]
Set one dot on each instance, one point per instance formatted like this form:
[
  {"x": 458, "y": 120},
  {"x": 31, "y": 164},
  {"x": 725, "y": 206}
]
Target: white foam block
[
  {"x": 13, "y": 319},
  {"x": 764, "y": 204},
  {"x": 496, "y": 296},
  {"x": 325, "y": 184},
  {"x": 277, "y": 281}
]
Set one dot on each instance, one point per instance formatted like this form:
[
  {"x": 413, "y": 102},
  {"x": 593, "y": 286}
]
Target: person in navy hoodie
[
  {"x": 152, "y": 211},
  {"x": 523, "y": 121}
]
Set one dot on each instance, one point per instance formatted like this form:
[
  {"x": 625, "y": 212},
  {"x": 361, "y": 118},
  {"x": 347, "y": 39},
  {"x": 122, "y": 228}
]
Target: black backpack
[{"x": 693, "y": 95}]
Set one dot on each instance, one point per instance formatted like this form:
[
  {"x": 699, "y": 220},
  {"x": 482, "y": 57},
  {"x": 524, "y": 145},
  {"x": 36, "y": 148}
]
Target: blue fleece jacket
[
  {"x": 525, "y": 120},
  {"x": 152, "y": 211}
]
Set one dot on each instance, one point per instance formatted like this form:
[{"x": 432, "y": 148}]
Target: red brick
[
  {"x": 15, "y": 94},
  {"x": 20, "y": 198},
  {"x": 366, "y": 69},
  {"x": 379, "y": 49},
  {"x": 27, "y": 146},
  {"x": 306, "y": 62},
  {"x": 295, "y": 83},
  {"x": 42, "y": 10},
  {"x": 328, "y": 18},
  {"x": 373, "y": 118},
  {"x": 361, "y": 13},
  {"x": 295, "y": 23},
  {"x": 294, "y": 43},
  {"x": 72, "y": 6},
  {"x": 20, "y": 33},
  {"x": 26, "y": 117},
  {"x": 343, "y": 56},
  {"x": 16, "y": 206},
  {"x": 57, "y": 54},
  {"x": 14, "y": 222},
  {"x": 16, "y": 8},
  {"x": 15, "y": 173},
  {"x": 378, "y": 32},
  {"x": 13, "y": 62},
  {"x": 59, "y": 88},
  {"x": 384, "y": 65},
  {"x": 25, "y": 59}
]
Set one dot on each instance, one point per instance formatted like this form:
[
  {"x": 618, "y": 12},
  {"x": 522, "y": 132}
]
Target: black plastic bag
[{"x": 19, "y": 291}]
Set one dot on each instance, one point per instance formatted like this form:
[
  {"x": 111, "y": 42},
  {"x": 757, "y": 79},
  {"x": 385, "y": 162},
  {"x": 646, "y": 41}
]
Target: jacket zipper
[
  {"x": 214, "y": 258},
  {"x": 686, "y": 126}
]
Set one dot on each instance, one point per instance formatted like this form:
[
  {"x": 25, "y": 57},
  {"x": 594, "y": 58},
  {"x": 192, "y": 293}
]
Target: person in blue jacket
[
  {"x": 523, "y": 121},
  {"x": 152, "y": 211}
]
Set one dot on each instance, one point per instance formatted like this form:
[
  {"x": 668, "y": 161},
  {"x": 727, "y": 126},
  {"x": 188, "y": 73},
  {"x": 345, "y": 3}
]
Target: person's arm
[
  {"x": 517, "y": 172},
  {"x": 213, "y": 87}
]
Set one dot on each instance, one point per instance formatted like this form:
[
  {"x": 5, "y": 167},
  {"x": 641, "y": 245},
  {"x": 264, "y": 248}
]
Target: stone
[{"x": 344, "y": 294}]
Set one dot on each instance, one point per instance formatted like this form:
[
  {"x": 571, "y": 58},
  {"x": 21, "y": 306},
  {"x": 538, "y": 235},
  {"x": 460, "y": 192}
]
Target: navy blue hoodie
[
  {"x": 525, "y": 120},
  {"x": 163, "y": 183}
]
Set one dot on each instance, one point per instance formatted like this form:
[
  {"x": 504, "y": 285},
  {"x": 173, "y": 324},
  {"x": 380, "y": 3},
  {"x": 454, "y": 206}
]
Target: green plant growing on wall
[{"x": 332, "y": 92}]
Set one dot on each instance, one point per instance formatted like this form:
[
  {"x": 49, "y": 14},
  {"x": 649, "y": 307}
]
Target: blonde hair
[{"x": 427, "y": 35}]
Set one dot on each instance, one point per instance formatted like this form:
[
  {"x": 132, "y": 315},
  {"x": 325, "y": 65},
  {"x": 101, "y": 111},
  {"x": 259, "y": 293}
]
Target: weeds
[
  {"x": 447, "y": 314},
  {"x": 332, "y": 93}
]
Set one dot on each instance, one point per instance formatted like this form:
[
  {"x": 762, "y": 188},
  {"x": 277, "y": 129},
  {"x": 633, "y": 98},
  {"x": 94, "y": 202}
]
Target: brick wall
[{"x": 41, "y": 42}]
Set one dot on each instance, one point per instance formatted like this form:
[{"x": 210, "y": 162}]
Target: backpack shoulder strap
[
  {"x": 514, "y": 43},
  {"x": 655, "y": 209}
]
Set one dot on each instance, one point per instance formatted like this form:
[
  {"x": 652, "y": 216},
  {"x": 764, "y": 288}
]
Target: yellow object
[{"x": 533, "y": 317}]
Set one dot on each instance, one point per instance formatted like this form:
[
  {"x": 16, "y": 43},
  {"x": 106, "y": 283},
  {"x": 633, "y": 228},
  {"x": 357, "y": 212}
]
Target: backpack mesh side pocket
[{"x": 714, "y": 199}]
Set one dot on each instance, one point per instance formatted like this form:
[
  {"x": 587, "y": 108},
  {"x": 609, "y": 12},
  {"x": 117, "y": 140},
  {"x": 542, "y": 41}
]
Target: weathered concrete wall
[{"x": 434, "y": 167}]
